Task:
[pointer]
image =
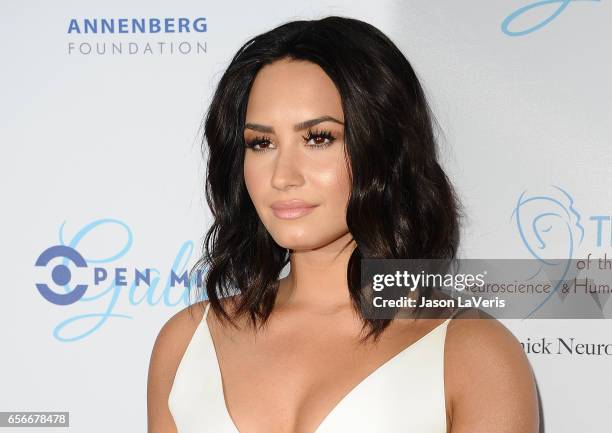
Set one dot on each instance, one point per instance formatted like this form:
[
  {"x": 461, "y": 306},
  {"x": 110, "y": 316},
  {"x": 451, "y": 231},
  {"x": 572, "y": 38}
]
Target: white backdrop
[{"x": 101, "y": 153}]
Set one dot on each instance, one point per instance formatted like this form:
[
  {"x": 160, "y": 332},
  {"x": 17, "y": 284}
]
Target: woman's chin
[{"x": 301, "y": 242}]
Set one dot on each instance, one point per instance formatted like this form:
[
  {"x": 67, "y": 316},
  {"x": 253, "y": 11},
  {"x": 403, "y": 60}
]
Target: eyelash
[{"x": 311, "y": 134}]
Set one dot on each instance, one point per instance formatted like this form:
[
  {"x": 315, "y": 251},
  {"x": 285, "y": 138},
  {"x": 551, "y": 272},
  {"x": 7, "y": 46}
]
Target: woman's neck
[{"x": 317, "y": 278}]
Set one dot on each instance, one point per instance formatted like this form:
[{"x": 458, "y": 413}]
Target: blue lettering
[
  {"x": 108, "y": 26},
  {"x": 169, "y": 25},
  {"x": 183, "y": 25},
  {"x": 146, "y": 278},
  {"x": 91, "y": 26},
  {"x": 154, "y": 26},
  {"x": 520, "y": 11},
  {"x": 123, "y": 25},
  {"x": 103, "y": 318},
  {"x": 182, "y": 279},
  {"x": 600, "y": 219},
  {"x": 138, "y": 24},
  {"x": 120, "y": 276},
  {"x": 99, "y": 275},
  {"x": 199, "y": 24},
  {"x": 86, "y": 326},
  {"x": 73, "y": 26},
  {"x": 180, "y": 262},
  {"x": 148, "y": 293}
]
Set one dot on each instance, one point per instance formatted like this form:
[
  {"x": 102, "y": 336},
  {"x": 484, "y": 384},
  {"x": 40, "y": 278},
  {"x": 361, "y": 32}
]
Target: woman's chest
[{"x": 302, "y": 382}]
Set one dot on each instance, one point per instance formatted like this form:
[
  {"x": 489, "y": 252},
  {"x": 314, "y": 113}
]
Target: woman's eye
[
  {"x": 259, "y": 144},
  {"x": 319, "y": 138},
  {"x": 314, "y": 139}
]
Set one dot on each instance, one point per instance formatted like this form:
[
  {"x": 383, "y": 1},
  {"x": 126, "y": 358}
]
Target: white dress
[{"x": 403, "y": 395}]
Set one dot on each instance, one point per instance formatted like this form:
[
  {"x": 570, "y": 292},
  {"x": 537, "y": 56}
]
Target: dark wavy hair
[{"x": 401, "y": 204}]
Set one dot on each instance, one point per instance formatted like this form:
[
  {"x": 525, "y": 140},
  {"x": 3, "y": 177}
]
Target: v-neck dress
[{"x": 403, "y": 395}]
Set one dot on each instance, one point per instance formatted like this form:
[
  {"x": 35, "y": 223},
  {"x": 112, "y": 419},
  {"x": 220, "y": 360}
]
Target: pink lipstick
[{"x": 291, "y": 209}]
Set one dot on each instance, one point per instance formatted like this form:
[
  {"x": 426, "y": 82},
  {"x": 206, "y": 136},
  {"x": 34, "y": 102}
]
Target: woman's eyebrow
[{"x": 297, "y": 127}]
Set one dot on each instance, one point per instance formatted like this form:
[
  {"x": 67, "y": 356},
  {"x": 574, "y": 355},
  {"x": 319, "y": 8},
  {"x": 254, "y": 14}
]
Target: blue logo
[
  {"x": 136, "y": 25},
  {"x": 562, "y": 4},
  {"x": 105, "y": 36},
  {"x": 551, "y": 230},
  {"x": 107, "y": 282},
  {"x": 543, "y": 219},
  {"x": 61, "y": 275}
]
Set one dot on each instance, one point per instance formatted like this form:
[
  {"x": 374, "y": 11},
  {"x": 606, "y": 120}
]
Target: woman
[{"x": 322, "y": 152}]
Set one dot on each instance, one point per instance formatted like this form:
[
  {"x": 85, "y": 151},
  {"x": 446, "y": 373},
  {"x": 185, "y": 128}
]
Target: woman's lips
[
  {"x": 291, "y": 209},
  {"x": 291, "y": 213}
]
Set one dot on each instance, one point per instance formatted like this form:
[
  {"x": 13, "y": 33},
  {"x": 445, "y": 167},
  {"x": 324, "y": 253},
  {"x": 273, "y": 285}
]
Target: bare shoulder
[
  {"x": 488, "y": 379},
  {"x": 168, "y": 350}
]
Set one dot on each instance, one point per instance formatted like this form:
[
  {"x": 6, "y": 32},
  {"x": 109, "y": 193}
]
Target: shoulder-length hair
[{"x": 401, "y": 204}]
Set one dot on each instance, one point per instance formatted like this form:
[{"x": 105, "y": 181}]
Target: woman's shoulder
[
  {"x": 174, "y": 337},
  {"x": 179, "y": 328},
  {"x": 476, "y": 337},
  {"x": 170, "y": 344},
  {"x": 488, "y": 376},
  {"x": 177, "y": 332},
  {"x": 473, "y": 329}
]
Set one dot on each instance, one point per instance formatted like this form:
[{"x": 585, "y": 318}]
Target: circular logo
[{"x": 61, "y": 275}]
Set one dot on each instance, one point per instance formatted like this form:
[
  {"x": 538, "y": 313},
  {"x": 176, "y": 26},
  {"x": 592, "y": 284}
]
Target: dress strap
[{"x": 206, "y": 310}]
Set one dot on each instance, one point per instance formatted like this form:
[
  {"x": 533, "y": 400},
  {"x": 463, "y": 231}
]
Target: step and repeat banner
[{"x": 102, "y": 177}]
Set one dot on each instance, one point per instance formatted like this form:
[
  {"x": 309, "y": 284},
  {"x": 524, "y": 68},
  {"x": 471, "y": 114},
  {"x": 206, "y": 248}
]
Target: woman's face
[{"x": 282, "y": 163}]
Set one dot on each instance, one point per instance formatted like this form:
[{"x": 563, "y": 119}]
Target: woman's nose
[{"x": 287, "y": 169}]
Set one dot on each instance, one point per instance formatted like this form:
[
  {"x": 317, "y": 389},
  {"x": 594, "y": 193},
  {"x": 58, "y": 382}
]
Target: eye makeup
[{"x": 256, "y": 143}]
